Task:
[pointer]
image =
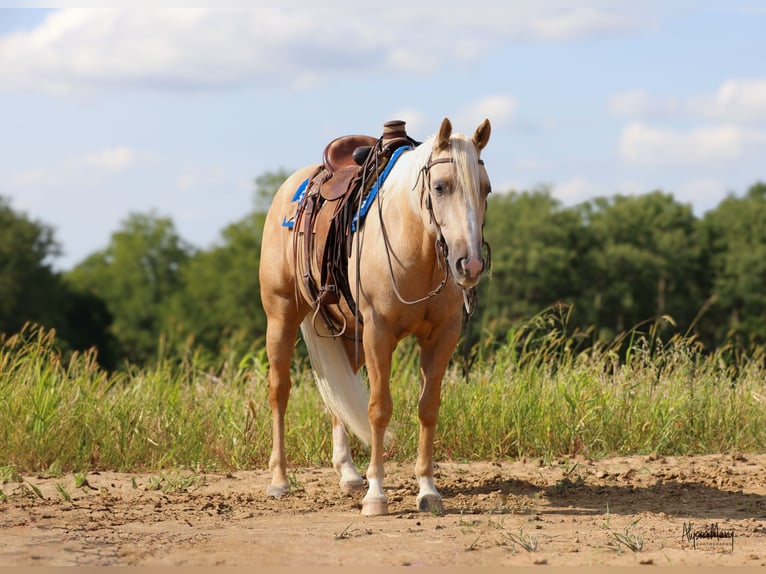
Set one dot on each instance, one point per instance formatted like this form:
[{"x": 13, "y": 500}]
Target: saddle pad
[
  {"x": 298, "y": 196},
  {"x": 300, "y": 193}
]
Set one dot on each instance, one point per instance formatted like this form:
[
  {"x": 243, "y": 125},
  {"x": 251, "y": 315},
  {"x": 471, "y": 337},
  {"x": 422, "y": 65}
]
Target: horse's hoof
[
  {"x": 374, "y": 507},
  {"x": 276, "y": 491},
  {"x": 351, "y": 486},
  {"x": 430, "y": 503}
]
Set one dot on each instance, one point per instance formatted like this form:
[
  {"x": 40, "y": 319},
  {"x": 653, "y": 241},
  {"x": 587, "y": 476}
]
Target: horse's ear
[
  {"x": 445, "y": 131},
  {"x": 481, "y": 135}
]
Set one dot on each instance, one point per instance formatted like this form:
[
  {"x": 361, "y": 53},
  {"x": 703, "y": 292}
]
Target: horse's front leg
[
  {"x": 378, "y": 349},
  {"x": 429, "y": 499},
  {"x": 433, "y": 364}
]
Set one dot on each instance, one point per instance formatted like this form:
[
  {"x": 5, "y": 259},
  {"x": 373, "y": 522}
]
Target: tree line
[{"x": 616, "y": 264}]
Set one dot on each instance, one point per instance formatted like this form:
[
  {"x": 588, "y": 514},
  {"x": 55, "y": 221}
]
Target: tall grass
[{"x": 534, "y": 395}]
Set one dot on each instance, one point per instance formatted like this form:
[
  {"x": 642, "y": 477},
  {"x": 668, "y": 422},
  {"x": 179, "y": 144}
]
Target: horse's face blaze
[{"x": 459, "y": 205}]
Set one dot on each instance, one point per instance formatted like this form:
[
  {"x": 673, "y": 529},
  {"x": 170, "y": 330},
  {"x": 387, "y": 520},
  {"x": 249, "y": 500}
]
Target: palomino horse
[{"x": 413, "y": 261}]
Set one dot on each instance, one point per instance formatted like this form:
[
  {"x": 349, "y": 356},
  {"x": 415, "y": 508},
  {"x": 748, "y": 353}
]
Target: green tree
[
  {"x": 643, "y": 262},
  {"x": 219, "y": 302},
  {"x": 29, "y": 288},
  {"x": 735, "y": 234},
  {"x": 536, "y": 246},
  {"x": 219, "y": 305},
  {"x": 135, "y": 276}
]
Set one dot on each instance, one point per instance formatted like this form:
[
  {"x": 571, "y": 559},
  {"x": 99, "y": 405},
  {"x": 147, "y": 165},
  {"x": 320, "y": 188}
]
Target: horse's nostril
[{"x": 470, "y": 266}]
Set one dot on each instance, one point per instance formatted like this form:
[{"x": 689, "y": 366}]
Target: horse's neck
[{"x": 403, "y": 217}]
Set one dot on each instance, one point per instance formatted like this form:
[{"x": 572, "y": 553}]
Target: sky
[{"x": 107, "y": 110}]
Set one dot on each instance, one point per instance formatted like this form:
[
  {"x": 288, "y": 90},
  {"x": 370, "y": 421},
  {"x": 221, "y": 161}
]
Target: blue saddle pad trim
[
  {"x": 298, "y": 196},
  {"x": 367, "y": 201},
  {"x": 300, "y": 193}
]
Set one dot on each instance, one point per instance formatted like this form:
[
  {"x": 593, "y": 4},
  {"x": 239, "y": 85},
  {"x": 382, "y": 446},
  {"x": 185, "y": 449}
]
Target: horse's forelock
[
  {"x": 466, "y": 159},
  {"x": 466, "y": 166}
]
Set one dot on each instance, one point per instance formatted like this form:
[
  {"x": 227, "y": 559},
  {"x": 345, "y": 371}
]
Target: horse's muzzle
[{"x": 469, "y": 270}]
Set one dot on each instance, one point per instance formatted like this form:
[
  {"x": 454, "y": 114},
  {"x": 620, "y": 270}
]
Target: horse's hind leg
[
  {"x": 350, "y": 480},
  {"x": 281, "y": 332}
]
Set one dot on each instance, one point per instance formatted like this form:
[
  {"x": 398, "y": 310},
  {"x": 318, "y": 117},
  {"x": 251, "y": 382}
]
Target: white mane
[{"x": 408, "y": 174}]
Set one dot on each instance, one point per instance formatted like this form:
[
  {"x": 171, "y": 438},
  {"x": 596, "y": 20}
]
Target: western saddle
[{"x": 326, "y": 216}]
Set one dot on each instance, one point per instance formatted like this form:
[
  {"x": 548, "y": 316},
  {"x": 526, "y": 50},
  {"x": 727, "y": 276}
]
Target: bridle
[
  {"x": 440, "y": 246},
  {"x": 425, "y": 173}
]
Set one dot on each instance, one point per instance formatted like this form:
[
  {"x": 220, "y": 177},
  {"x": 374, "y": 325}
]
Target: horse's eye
[{"x": 439, "y": 188}]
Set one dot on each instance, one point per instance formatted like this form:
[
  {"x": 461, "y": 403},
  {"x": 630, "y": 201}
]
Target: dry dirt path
[{"x": 573, "y": 512}]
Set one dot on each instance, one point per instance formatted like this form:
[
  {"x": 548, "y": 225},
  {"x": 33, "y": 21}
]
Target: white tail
[{"x": 342, "y": 390}]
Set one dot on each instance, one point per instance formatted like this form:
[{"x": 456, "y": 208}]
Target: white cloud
[
  {"x": 735, "y": 100},
  {"x": 500, "y": 109},
  {"x": 580, "y": 22},
  {"x": 575, "y": 190},
  {"x": 199, "y": 177},
  {"x": 738, "y": 100},
  {"x": 528, "y": 163},
  {"x": 113, "y": 159},
  {"x": 641, "y": 104},
  {"x": 643, "y": 145},
  {"x": 631, "y": 188},
  {"x": 294, "y": 44},
  {"x": 87, "y": 166},
  {"x": 34, "y": 178},
  {"x": 704, "y": 193},
  {"x": 416, "y": 122}
]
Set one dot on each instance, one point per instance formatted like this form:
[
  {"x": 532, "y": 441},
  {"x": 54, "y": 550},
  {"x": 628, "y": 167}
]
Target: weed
[
  {"x": 628, "y": 538},
  {"x": 182, "y": 483},
  {"x": 53, "y": 471},
  {"x": 35, "y": 489},
  {"x": 536, "y": 396},
  {"x": 473, "y": 546},
  {"x": 567, "y": 483},
  {"x": 295, "y": 484},
  {"x": 173, "y": 483},
  {"x": 343, "y": 534},
  {"x": 463, "y": 522},
  {"x": 63, "y": 492},
  {"x": 9, "y": 473},
  {"x": 526, "y": 541},
  {"x": 348, "y": 532},
  {"x": 81, "y": 481},
  {"x": 495, "y": 524},
  {"x": 155, "y": 483}
]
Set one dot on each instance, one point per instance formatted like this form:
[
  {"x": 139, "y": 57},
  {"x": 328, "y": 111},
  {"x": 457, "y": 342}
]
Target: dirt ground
[{"x": 627, "y": 510}]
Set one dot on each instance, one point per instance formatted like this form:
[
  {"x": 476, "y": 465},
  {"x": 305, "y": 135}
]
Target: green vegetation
[
  {"x": 536, "y": 397},
  {"x": 618, "y": 264},
  {"x": 620, "y": 325}
]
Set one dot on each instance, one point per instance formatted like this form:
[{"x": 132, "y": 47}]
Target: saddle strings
[{"x": 358, "y": 254}]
